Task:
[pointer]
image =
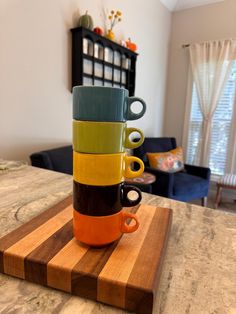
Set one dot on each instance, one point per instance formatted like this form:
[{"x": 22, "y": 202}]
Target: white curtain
[{"x": 211, "y": 63}]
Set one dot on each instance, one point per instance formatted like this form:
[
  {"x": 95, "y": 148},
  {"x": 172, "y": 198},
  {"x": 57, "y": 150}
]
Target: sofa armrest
[
  {"x": 57, "y": 159},
  {"x": 164, "y": 183},
  {"x": 41, "y": 160},
  {"x": 198, "y": 171}
]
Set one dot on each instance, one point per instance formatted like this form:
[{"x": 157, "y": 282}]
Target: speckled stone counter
[{"x": 199, "y": 270}]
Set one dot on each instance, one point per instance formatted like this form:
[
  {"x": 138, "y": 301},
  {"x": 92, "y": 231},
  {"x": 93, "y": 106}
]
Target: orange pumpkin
[{"x": 130, "y": 45}]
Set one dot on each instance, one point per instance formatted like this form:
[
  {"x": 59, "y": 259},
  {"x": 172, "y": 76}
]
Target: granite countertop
[{"x": 199, "y": 272}]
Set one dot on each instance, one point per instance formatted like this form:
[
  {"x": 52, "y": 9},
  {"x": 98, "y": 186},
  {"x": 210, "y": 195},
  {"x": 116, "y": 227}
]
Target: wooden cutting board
[{"x": 124, "y": 274}]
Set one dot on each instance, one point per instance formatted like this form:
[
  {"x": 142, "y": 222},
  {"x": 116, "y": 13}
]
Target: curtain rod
[{"x": 187, "y": 45}]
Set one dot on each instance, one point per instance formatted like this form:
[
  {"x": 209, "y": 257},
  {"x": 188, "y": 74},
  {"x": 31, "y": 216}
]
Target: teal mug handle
[
  {"x": 130, "y": 144},
  {"x": 132, "y": 115}
]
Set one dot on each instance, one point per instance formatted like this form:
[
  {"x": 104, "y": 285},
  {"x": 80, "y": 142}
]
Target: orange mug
[{"x": 102, "y": 230}]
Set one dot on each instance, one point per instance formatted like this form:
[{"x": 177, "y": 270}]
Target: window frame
[{"x": 231, "y": 155}]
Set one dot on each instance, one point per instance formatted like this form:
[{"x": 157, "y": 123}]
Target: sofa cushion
[
  {"x": 171, "y": 161},
  {"x": 187, "y": 186},
  {"x": 153, "y": 145}
]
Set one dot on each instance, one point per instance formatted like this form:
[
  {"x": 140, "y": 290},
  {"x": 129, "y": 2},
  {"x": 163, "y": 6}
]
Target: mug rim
[
  {"x": 101, "y": 217},
  {"x": 99, "y": 122},
  {"x": 89, "y": 155},
  {"x": 99, "y": 87}
]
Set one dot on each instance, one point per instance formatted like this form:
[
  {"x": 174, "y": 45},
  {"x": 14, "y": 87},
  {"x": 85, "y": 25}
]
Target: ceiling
[{"x": 177, "y": 5}]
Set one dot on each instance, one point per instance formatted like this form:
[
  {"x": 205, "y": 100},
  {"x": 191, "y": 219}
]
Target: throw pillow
[{"x": 171, "y": 161}]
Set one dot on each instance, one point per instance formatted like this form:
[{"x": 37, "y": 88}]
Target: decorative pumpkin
[
  {"x": 98, "y": 30},
  {"x": 130, "y": 45},
  {"x": 123, "y": 43},
  {"x": 86, "y": 21}
]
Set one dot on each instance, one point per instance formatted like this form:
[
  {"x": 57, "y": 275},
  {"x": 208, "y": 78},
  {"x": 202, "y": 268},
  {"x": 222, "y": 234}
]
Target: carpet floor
[{"x": 227, "y": 204}]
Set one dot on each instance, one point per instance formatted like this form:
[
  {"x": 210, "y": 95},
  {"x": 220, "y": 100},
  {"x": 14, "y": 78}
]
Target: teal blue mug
[{"x": 97, "y": 103}]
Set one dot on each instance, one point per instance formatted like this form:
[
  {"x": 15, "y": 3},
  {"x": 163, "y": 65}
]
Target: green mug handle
[
  {"x": 132, "y": 115},
  {"x": 130, "y": 144}
]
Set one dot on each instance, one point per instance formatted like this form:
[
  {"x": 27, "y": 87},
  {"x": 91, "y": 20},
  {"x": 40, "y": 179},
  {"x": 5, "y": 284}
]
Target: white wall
[
  {"x": 216, "y": 21},
  {"x": 35, "y": 67}
]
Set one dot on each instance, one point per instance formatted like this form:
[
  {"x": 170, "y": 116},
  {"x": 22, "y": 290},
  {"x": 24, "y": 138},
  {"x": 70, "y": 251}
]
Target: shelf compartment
[
  {"x": 99, "y": 61},
  {"x": 103, "y": 62}
]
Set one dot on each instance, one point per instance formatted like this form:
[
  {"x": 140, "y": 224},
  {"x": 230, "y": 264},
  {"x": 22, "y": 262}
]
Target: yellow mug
[{"x": 104, "y": 169}]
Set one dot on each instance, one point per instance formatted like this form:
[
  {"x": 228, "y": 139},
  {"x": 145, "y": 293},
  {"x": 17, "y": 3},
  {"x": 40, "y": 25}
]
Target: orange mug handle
[{"x": 125, "y": 228}]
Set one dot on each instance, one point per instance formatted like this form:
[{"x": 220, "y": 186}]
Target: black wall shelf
[{"x": 97, "y": 60}]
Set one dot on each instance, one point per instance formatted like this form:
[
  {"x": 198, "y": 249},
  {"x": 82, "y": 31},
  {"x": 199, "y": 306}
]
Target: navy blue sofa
[
  {"x": 189, "y": 184},
  {"x": 57, "y": 159},
  {"x": 61, "y": 160}
]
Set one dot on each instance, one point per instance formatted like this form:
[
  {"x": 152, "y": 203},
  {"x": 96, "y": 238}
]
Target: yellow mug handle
[
  {"x": 128, "y": 142},
  {"x": 129, "y": 173}
]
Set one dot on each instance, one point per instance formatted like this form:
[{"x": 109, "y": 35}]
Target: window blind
[{"x": 221, "y": 127}]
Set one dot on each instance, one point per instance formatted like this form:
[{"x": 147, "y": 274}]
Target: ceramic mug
[
  {"x": 103, "y": 137},
  {"x": 99, "y": 103},
  {"x": 104, "y": 169},
  {"x": 99, "y": 231},
  {"x": 103, "y": 200}
]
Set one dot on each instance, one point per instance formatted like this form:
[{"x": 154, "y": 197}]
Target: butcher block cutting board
[{"x": 124, "y": 274}]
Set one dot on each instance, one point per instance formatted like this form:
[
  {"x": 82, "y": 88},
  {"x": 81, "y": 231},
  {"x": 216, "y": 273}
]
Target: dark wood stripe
[
  {"x": 146, "y": 271},
  {"x": 84, "y": 275},
  {"x": 36, "y": 262},
  {"x": 144, "y": 300},
  {"x": 19, "y": 233}
]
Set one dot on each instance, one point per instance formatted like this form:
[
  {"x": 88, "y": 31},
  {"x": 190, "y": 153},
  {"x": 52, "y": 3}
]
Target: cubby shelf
[{"x": 93, "y": 54}]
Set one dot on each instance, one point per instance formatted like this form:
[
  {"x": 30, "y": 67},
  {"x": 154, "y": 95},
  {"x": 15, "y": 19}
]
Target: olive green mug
[{"x": 103, "y": 137}]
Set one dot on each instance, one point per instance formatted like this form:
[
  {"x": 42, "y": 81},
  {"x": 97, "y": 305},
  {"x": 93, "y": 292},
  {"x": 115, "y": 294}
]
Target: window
[{"x": 221, "y": 127}]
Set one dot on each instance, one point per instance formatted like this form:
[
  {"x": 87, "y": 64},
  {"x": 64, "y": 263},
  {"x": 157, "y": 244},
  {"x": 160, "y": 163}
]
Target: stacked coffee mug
[{"x": 100, "y": 164}]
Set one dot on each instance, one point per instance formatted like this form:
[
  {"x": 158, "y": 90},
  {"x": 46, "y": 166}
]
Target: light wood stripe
[
  {"x": 60, "y": 266},
  {"x": 121, "y": 262},
  {"x": 19, "y": 233},
  {"x": 145, "y": 273},
  {"x": 14, "y": 255},
  {"x": 157, "y": 230}
]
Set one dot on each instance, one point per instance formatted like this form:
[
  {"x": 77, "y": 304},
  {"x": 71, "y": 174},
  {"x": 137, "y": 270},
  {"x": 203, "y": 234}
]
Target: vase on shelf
[
  {"x": 110, "y": 35},
  {"x": 114, "y": 18}
]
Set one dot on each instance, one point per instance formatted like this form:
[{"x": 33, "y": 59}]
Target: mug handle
[
  {"x": 128, "y": 142},
  {"x": 125, "y": 201},
  {"x": 129, "y": 173},
  {"x": 125, "y": 228},
  {"x": 132, "y": 115}
]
